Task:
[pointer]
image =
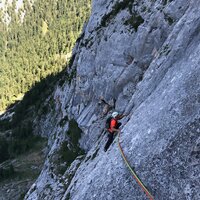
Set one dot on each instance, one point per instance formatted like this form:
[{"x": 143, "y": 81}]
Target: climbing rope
[{"x": 133, "y": 172}]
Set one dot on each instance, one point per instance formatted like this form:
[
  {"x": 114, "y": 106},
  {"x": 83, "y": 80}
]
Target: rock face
[{"x": 141, "y": 58}]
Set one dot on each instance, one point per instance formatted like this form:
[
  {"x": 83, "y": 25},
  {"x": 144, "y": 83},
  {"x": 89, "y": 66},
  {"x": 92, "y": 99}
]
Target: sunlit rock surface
[{"x": 142, "y": 58}]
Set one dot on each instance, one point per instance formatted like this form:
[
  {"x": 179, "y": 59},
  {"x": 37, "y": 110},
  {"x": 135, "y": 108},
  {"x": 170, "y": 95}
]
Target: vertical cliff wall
[{"x": 142, "y": 58}]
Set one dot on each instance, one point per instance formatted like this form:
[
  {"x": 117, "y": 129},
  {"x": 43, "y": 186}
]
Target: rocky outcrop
[{"x": 141, "y": 58}]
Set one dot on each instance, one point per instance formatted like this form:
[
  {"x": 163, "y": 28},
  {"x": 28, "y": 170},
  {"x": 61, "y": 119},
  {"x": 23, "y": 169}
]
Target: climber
[{"x": 113, "y": 128}]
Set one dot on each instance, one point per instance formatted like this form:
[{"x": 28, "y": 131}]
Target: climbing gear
[
  {"x": 149, "y": 195},
  {"x": 115, "y": 114},
  {"x": 108, "y": 120}
]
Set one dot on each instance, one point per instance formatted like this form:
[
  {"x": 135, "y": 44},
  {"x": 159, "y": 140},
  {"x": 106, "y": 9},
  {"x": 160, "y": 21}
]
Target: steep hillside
[
  {"x": 142, "y": 58},
  {"x": 36, "y": 40}
]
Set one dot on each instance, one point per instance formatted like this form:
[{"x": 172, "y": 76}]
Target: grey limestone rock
[{"x": 144, "y": 56}]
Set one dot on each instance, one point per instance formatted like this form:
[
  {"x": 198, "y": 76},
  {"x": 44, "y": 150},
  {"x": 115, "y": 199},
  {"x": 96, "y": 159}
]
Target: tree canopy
[{"x": 38, "y": 44}]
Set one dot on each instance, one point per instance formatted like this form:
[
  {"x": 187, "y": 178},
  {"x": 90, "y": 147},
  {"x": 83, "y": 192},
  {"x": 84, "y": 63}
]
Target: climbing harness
[{"x": 133, "y": 172}]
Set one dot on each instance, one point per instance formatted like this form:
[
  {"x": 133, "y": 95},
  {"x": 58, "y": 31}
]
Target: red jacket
[{"x": 113, "y": 124}]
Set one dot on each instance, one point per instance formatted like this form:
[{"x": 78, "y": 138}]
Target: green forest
[{"x": 37, "y": 45}]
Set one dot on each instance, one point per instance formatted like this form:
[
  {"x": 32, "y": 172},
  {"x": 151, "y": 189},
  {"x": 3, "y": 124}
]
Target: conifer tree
[{"x": 33, "y": 48}]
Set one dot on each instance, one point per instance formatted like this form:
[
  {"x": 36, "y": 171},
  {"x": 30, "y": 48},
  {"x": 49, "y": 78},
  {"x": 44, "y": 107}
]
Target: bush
[
  {"x": 69, "y": 150},
  {"x": 115, "y": 10},
  {"x": 4, "y": 155},
  {"x": 23, "y": 145},
  {"x": 74, "y": 132},
  {"x": 6, "y": 172},
  {"x": 5, "y": 125},
  {"x": 24, "y": 130},
  {"x": 135, "y": 21}
]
